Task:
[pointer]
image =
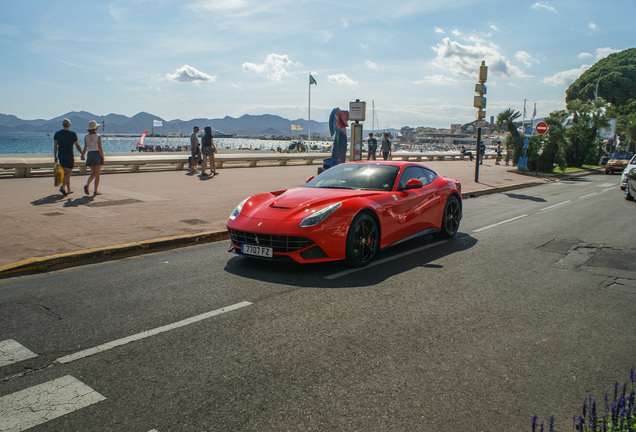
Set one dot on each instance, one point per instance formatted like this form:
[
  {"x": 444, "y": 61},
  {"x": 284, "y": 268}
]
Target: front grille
[{"x": 281, "y": 244}]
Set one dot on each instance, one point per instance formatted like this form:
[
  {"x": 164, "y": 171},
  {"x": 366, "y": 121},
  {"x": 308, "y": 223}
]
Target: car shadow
[
  {"x": 422, "y": 252},
  {"x": 525, "y": 197}
]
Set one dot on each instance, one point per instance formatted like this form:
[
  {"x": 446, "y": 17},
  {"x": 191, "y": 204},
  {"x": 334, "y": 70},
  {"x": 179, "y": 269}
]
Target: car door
[{"x": 410, "y": 210}]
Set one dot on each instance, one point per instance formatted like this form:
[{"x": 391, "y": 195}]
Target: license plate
[{"x": 260, "y": 251}]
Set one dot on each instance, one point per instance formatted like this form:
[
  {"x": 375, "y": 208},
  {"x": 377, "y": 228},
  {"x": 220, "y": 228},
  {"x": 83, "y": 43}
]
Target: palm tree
[
  {"x": 508, "y": 117},
  {"x": 627, "y": 127}
]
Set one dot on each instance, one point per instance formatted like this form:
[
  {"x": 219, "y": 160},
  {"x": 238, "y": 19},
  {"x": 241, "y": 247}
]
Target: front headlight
[
  {"x": 237, "y": 210},
  {"x": 319, "y": 216}
]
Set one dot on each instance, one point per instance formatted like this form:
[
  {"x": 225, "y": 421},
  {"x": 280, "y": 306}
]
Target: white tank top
[{"x": 91, "y": 141}]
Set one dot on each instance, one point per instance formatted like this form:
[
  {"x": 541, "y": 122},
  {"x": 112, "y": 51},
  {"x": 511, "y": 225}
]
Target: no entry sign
[{"x": 541, "y": 127}]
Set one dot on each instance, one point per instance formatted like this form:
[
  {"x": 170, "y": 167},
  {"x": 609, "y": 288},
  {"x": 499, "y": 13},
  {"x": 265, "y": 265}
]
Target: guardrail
[{"x": 20, "y": 166}]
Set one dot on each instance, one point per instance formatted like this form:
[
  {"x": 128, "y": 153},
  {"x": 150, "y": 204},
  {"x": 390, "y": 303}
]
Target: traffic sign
[{"x": 541, "y": 127}]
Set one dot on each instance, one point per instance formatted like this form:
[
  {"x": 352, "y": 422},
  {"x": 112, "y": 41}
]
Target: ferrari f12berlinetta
[{"x": 348, "y": 212}]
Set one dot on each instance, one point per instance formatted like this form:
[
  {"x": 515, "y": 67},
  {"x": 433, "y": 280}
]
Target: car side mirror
[
  {"x": 310, "y": 178},
  {"x": 413, "y": 184}
]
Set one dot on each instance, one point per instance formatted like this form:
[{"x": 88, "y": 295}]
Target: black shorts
[{"x": 66, "y": 160}]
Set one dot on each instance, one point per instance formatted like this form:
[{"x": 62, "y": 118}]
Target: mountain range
[{"x": 244, "y": 126}]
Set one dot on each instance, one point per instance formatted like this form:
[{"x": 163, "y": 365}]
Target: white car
[{"x": 630, "y": 165}]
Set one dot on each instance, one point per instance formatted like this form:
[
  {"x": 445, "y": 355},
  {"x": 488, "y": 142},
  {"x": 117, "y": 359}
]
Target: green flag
[{"x": 312, "y": 80}]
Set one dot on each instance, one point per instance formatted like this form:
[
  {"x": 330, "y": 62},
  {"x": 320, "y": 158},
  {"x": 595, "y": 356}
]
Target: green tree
[
  {"x": 553, "y": 142},
  {"x": 612, "y": 78},
  {"x": 585, "y": 119}
]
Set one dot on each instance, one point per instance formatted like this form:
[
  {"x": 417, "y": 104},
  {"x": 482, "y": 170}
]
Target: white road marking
[
  {"x": 383, "y": 260},
  {"x": 38, "y": 404},
  {"x": 13, "y": 352},
  {"x": 555, "y": 205},
  {"x": 500, "y": 223},
  {"x": 588, "y": 195},
  {"x": 139, "y": 336},
  {"x": 606, "y": 185},
  {"x": 609, "y": 189}
]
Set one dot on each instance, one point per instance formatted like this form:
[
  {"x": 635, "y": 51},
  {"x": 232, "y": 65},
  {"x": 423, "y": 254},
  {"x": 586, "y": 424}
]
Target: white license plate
[{"x": 260, "y": 251}]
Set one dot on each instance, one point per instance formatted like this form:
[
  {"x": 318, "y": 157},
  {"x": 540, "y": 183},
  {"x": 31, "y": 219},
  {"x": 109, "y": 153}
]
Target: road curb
[{"x": 91, "y": 256}]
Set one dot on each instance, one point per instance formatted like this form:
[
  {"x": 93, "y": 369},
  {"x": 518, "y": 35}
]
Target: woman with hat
[{"x": 95, "y": 157}]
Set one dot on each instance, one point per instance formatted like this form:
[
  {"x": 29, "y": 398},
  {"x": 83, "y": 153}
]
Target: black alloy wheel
[
  {"x": 451, "y": 218},
  {"x": 363, "y": 240}
]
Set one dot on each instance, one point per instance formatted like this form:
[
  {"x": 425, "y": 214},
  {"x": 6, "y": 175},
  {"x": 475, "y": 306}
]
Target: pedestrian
[
  {"x": 94, "y": 156},
  {"x": 482, "y": 152},
  {"x": 373, "y": 146},
  {"x": 386, "y": 146},
  {"x": 63, "y": 142},
  {"x": 498, "y": 153},
  {"x": 508, "y": 155},
  {"x": 195, "y": 151},
  {"x": 207, "y": 150}
]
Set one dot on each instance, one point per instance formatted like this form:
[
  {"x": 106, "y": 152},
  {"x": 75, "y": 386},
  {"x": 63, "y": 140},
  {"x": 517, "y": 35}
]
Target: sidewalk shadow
[
  {"x": 79, "y": 201},
  {"x": 51, "y": 199}
]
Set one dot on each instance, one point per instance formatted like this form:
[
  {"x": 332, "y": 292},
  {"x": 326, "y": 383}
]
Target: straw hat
[{"x": 92, "y": 125}]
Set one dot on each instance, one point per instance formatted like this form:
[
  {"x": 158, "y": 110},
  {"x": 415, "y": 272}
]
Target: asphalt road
[{"x": 531, "y": 308}]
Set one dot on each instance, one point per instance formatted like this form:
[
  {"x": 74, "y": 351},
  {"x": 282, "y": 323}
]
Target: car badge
[
  {"x": 256, "y": 240},
  {"x": 394, "y": 197}
]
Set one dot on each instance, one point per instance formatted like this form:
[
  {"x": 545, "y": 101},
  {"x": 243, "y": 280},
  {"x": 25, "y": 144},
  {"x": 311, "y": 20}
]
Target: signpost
[
  {"x": 541, "y": 127},
  {"x": 479, "y": 102}
]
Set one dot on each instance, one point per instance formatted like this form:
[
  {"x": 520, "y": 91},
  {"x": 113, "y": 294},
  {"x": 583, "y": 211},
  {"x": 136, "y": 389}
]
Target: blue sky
[{"x": 417, "y": 60}]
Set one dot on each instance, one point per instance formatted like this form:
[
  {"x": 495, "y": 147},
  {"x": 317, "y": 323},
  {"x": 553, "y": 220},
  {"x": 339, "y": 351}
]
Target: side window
[
  {"x": 411, "y": 173},
  {"x": 430, "y": 177}
]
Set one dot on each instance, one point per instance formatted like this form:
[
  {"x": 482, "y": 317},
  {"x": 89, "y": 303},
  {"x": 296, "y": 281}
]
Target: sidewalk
[{"x": 150, "y": 211}]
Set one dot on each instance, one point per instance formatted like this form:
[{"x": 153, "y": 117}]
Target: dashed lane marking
[
  {"x": 555, "y": 205},
  {"x": 143, "y": 335},
  {"x": 44, "y": 402},
  {"x": 13, "y": 352},
  {"x": 500, "y": 223}
]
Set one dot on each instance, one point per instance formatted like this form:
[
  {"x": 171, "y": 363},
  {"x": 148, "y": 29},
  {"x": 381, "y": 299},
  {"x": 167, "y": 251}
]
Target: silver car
[{"x": 630, "y": 165}]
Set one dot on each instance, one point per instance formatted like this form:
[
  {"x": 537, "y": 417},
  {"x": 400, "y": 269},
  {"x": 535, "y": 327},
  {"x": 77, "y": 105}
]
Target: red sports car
[{"x": 349, "y": 212}]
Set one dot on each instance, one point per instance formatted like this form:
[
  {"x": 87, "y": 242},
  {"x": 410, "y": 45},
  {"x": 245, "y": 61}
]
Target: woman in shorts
[
  {"x": 94, "y": 156},
  {"x": 207, "y": 150}
]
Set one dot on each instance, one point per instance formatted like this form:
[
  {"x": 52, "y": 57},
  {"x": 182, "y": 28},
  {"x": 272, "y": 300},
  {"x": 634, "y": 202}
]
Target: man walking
[
  {"x": 194, "y": 150},
  {"x": 373, "y": 146},
  {"x": 63, "y": 142}
]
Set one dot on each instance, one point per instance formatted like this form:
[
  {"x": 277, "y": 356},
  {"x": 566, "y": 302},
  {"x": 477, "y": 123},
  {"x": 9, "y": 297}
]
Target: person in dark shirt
[{"x": 63, "y": 142}]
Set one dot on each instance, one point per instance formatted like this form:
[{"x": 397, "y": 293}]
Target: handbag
[{"x": 58, "y": 174}]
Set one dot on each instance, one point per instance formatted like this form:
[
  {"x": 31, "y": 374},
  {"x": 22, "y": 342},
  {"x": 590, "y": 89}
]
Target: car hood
[{"x": 298, "y": 202}]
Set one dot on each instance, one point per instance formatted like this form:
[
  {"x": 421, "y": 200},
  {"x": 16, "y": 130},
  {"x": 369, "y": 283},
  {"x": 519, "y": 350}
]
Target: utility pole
[{"x": 479, "y": 102}]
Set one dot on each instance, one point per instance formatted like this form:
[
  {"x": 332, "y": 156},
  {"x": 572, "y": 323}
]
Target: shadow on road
[{"x": 388, "y": 263}]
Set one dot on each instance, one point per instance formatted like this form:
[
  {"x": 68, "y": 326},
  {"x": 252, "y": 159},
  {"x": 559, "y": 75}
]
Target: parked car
[
  {"x": 617, "y": 162},
  {"x": 349, "y": 212},
  {"x": 628, "y": 168},
  {"x": 630, "y": 186}
]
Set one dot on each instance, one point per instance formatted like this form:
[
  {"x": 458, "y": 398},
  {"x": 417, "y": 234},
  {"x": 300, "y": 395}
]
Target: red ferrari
[{"x": 349, "y": 212}]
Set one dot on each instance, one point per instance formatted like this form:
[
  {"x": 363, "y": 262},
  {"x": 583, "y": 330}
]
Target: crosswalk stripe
[
  {"x": 13, "y": 352},
  {"x": 44, "y": 402}
]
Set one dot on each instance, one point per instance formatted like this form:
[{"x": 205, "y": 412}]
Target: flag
[
  {"x": 157, "y": 123},
  {"x": 534, "y": 113},
  {"x": 312, "y": 80}
]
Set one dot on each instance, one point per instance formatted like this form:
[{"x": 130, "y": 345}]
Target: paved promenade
[{"x": 149, "y": 211}]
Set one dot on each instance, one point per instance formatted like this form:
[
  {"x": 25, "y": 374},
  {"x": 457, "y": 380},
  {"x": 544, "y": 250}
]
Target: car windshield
[
  {"x": 623, "y": 155},
  {"x": 357, "y": 176}
]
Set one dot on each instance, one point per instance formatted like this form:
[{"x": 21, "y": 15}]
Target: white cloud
[
  {"x": 371, "y": 65},
  {"x": 274, "y": 67},
  {"x": 437, "y": 79},
  {"x": 585, "y": 55},
  {"x": 565, "y": 78},
  {"x": 494, "y": 28},
  {"x": 592, "y": 26},
  {"x": 464, "y": 59},
  {"x": 439, "y": 30},
  {"x": 345, "y": 23},
  {"x": 341, "y": 79},
  {"x": 601, "y": 53},
  {"x": 187, "y": 73},
  {"x": 525, "y": 58},
  {"x": 456, "y": 33},
  {"x": 544, "y": 6}
]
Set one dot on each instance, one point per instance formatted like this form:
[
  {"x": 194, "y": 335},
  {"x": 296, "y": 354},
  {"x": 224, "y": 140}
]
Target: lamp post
[{"x": 479, "y": 102}]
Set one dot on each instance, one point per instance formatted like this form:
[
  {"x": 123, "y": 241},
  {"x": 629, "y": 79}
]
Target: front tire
[
  {"x": 451, "y": 217},
  {"x": 363, "y": 240},
  {"x": 628, "y": 195}
]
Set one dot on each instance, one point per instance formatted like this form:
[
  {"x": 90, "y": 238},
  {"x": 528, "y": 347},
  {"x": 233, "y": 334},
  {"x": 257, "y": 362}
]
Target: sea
[{"x": 25, "y": 143}]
